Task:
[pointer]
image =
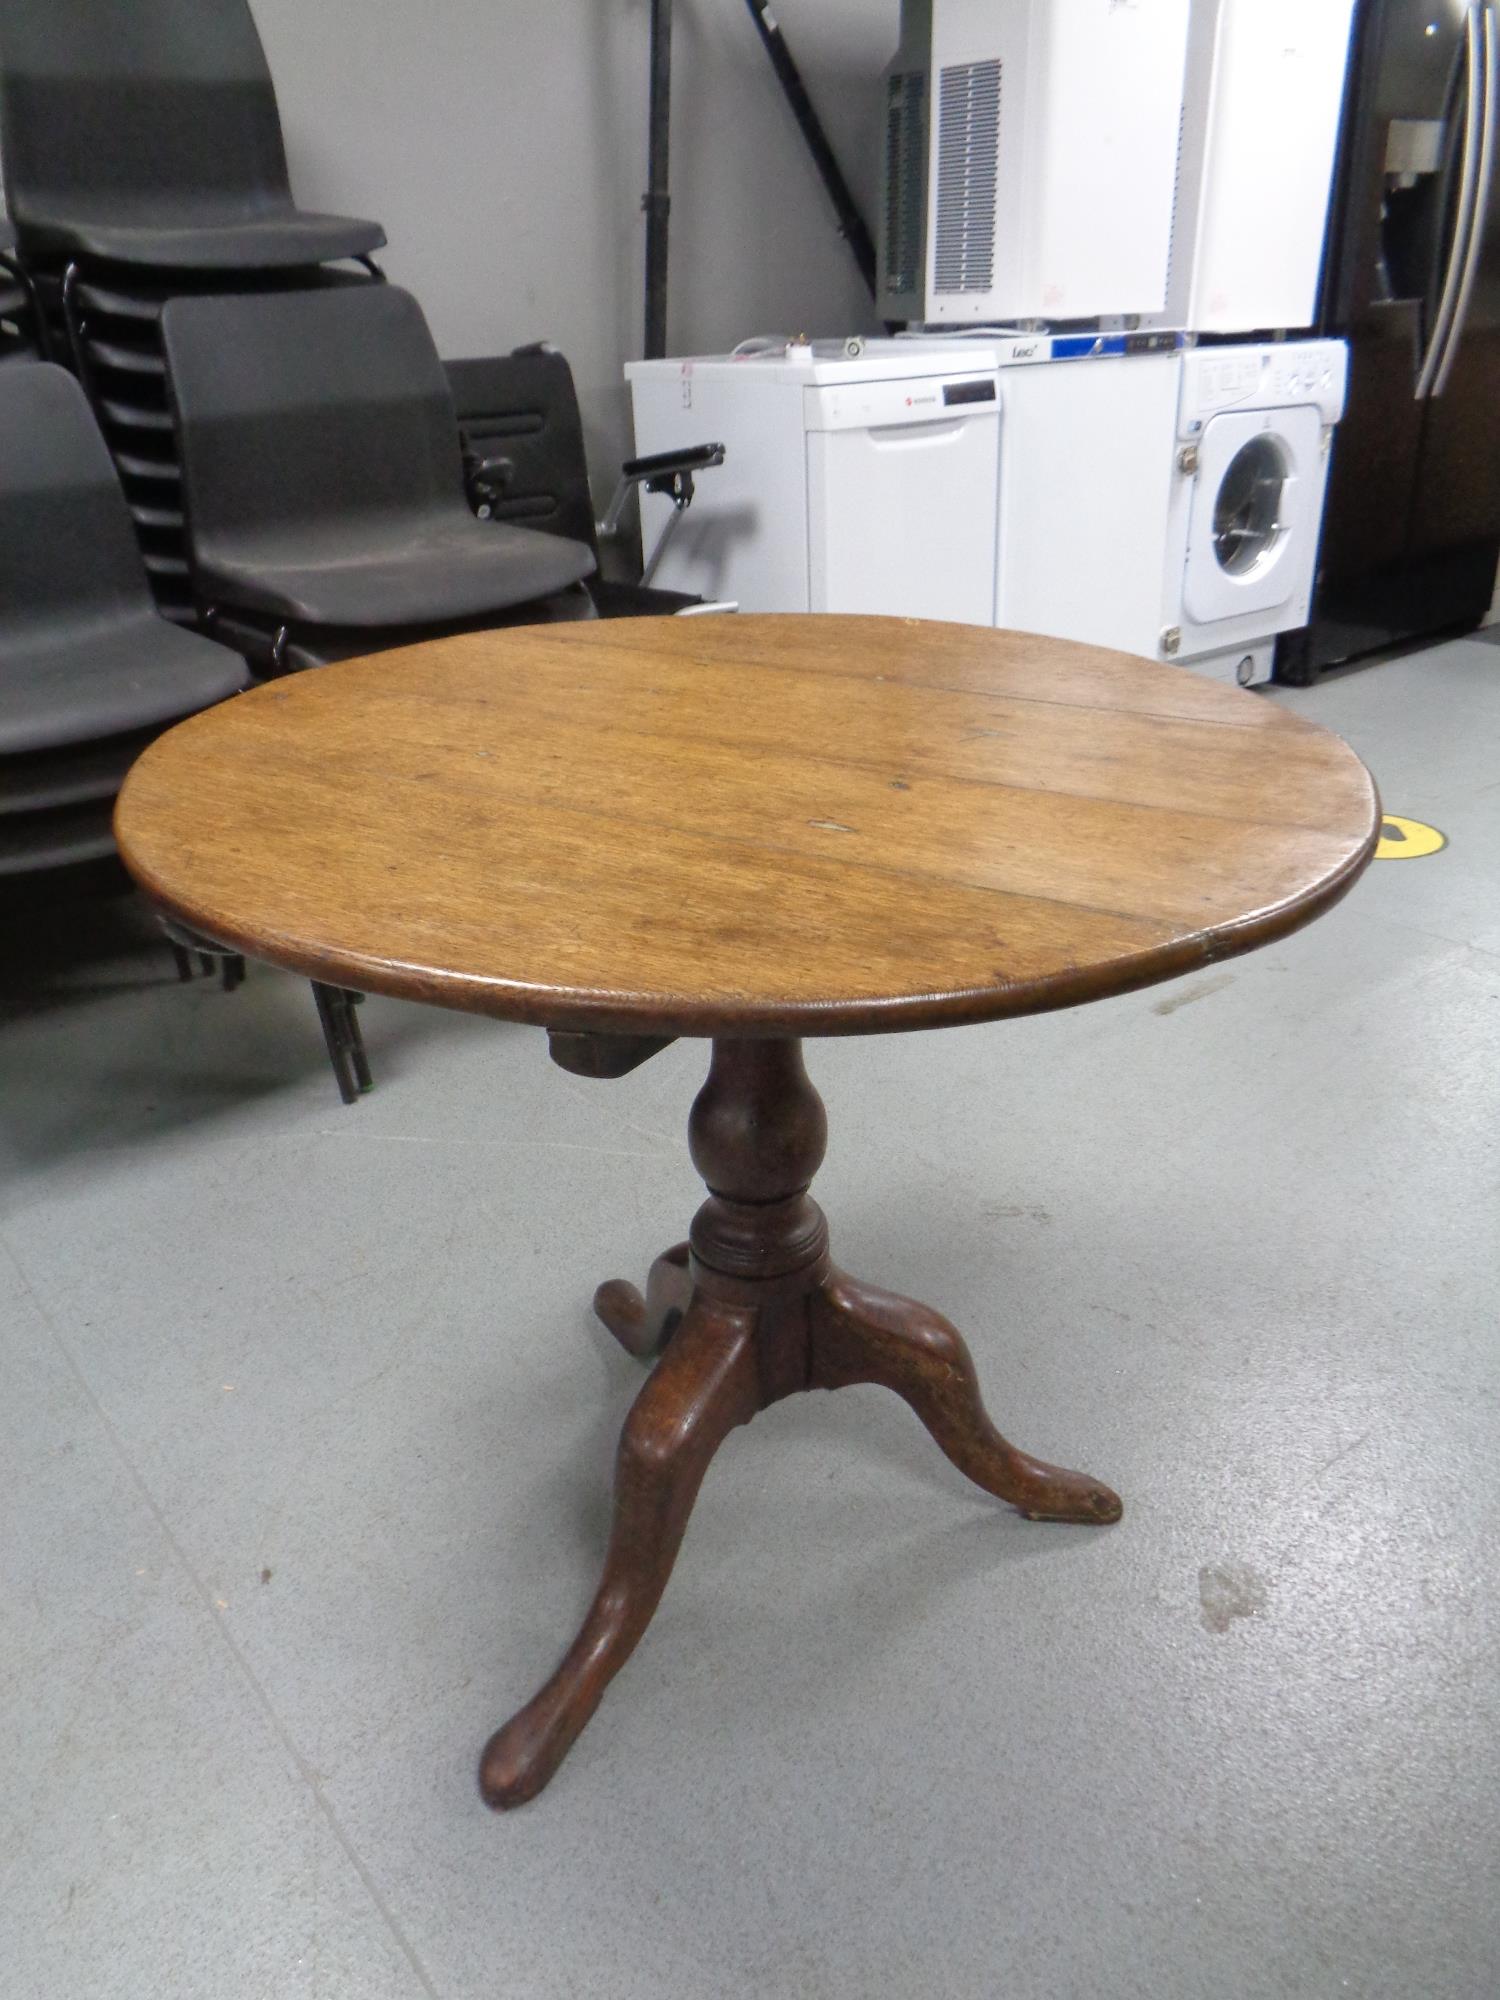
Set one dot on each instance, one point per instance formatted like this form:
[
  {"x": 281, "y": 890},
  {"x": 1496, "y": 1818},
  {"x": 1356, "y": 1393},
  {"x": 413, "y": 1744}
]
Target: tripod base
[{"x": 738, "y": 1324}]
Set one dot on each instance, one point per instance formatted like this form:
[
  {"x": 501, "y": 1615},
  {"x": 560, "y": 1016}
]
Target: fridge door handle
[
  {"x": 1482, "y": 196},
  {"x": 1468, "y": 188}
]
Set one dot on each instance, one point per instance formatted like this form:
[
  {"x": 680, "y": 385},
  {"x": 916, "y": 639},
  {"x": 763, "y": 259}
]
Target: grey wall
[{"x": 503, "y": 143}]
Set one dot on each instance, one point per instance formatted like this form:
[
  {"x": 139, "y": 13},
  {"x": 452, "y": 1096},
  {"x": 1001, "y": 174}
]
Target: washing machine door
[{"x": 1253, "y": 531}]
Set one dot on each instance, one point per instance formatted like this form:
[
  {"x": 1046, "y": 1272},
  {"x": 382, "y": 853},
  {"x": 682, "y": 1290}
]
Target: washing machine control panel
[
  {"x": 1302, "y": 379},
  {"x": 1272, "y": 375},
  {"x": 1229, "y": 379}
]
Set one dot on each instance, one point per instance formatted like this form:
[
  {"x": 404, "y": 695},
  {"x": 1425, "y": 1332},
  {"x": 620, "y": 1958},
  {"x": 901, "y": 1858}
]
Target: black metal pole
[
  {"x": 852, "y": 224},
  {"x": 657, "y": 200}
]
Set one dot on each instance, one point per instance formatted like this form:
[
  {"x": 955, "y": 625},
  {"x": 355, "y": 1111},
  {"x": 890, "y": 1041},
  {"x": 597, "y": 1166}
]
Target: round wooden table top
[{"x": 747, "y": 825}]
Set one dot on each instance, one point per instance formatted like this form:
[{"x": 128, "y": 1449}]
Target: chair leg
[
  {"x": 336, "y": 1008},
  {"x": 345, "y": 1043},
  {"x": 362, "y": 1072}
]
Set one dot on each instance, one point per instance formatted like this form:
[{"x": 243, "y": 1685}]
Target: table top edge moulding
[{"x": 300, "y": 823}]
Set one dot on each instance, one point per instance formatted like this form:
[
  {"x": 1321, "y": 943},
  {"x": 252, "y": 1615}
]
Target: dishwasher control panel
[{"x": 929, "y": 399}]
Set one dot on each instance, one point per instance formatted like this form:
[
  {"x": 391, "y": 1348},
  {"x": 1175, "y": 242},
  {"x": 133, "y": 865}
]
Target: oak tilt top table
[{"x": 754, "y": 830}]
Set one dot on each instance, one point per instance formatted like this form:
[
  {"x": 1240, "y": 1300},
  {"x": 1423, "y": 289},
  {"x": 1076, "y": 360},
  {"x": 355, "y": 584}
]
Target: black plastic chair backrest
[
  {"x": 165, "y": 104},
  {"x": 68, "y": 554},
  {"x": 523, "y": 407},
  {"x": 300, "y": 408}
]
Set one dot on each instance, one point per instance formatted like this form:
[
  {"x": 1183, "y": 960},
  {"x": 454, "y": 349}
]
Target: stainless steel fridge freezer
[{"x": 1412, "y": 280}]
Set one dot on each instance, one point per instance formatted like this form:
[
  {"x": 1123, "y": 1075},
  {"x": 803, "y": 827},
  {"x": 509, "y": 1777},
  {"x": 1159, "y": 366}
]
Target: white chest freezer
[{"x": 863, "y": 484}]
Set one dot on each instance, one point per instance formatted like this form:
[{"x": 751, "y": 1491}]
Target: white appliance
[
  {"x": 861, "y": 480},
  {"x": 1031, "y": 154},
  {"x": 1263, "y": 98},
  {"x": 1169, "y": 504}
]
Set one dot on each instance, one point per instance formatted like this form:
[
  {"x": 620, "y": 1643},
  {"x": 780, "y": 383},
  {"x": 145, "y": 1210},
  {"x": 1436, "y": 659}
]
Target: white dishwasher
[{"x": 865, "y": 482}]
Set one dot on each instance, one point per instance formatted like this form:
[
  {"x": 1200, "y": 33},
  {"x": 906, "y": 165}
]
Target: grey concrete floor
[{"x": 307, "y": 1432}]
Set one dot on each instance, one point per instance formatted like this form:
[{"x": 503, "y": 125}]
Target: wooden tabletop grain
[{"x": 747, "y": 825}]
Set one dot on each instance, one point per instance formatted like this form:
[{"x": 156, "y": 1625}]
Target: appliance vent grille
[
  {"x": 905, "y": 190},
  {"x": 1176, "y": 204},
  {"x": 968, "y": 177}
]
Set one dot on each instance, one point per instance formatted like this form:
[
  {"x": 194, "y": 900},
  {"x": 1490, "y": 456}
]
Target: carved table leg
[
  {"x": 703, "y": 1387},
  {"x": 748, "y": 1312},
  {"x": 860, "y": 1334}
]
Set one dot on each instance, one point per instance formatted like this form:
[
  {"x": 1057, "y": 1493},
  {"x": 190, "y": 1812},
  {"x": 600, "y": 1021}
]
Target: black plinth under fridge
[{"x": 1412, "y": 280}]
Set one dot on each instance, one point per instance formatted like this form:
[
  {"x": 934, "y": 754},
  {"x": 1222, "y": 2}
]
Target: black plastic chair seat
[
  {"x": 276, "y": 648},
  {"x": 389, "y": 572},
  {"x": 282, "y": 239},
  {"x": 32, "y": 842},
  {"x": 75, "y": 776},
  {"x": 78, "y": 683}
]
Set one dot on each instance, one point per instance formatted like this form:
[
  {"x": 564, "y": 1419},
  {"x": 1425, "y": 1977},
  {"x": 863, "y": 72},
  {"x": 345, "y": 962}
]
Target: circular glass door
[{"x": 1247, "y": 512}]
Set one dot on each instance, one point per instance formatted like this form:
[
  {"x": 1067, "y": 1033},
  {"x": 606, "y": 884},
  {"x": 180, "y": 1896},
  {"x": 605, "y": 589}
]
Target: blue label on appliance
[{"x": 1085, "y": 346}]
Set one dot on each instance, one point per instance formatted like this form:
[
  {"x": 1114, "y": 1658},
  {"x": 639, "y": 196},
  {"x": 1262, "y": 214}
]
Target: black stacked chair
[
  {"x": 143, "y": 157},
  {"x": 146, "y": 136},
  {"x": 523, "y": 445},
  {"x": 285, "y": 445},
  {"x": 113, "y": 339},
  {"x": 327, "y": 512},
  {"x": 89, "y": 670}
]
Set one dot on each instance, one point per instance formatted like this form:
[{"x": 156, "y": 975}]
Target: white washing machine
[
  {"x": 1169, "y": 504},
  {"x": 859, "y": 476}
]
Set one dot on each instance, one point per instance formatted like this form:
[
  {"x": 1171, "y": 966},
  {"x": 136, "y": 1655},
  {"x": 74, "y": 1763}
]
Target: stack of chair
[
  {"x": 258, "y": 438},
  {"x": 146, "y": 176},
  {"x": 143, "y": 158},
  {"x": 89, "y": 672}
]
